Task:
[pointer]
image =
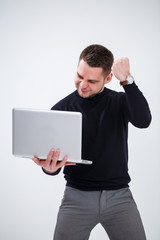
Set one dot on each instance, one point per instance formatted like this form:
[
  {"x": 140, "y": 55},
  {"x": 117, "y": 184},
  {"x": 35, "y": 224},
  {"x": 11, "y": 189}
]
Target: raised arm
[{"x": 134, "y": 102}]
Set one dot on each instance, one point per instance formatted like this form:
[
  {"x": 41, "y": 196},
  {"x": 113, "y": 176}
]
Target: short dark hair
[{"x": 98, "y": 56}]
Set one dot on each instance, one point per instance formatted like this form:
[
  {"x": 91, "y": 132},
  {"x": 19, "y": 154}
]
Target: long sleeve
[{"x": 138, "y": 109}]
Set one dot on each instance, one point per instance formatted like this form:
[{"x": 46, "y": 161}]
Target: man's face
[{"x": 90, "y": 81}]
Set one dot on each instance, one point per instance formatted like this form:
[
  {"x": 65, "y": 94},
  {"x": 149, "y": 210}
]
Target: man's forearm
[{"x": 140, "y": 115}]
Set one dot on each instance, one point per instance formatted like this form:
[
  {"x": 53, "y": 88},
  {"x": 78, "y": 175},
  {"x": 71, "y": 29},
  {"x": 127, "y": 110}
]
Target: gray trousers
[{"x": 115, "y": 210}]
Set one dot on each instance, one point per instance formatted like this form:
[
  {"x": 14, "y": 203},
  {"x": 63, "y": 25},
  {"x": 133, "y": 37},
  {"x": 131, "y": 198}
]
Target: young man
[{"x": 99, "y": 193}]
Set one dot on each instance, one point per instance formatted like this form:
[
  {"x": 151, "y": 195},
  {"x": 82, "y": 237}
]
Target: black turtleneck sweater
[{"x": 104, "y": 136}]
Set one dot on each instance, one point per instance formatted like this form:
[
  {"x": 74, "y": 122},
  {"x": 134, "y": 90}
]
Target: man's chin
[{"x": 86, "y": 94}]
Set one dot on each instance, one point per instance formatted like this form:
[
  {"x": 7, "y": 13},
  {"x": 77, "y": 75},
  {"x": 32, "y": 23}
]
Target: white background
[{"x": 40, "y": 42}]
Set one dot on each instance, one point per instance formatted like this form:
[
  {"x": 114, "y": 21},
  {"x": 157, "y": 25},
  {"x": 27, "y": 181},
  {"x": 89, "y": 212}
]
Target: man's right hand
[{"x": 51, "y": 164}]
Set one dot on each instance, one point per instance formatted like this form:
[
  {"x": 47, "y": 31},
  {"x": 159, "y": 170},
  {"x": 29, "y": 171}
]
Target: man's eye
[{"x": 92, "y": 81}]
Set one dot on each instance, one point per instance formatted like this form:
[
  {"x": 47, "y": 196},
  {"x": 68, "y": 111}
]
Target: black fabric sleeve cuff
[
  {"x": 52, "y": 174},
  {"x": 129, "y": 86}
]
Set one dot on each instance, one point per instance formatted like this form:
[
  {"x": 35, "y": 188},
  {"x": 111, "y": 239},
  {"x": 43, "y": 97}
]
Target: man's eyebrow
[
  {"x": 79, "y": 75},
  {"x": 93, "y": 80}
]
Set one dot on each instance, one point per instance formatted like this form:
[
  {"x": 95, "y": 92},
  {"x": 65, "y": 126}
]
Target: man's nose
[{"x": 84, "y": 84}]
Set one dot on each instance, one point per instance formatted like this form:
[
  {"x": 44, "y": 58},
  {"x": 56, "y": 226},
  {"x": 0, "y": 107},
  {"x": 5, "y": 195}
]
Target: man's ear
[{"x": 108, "y": 78}]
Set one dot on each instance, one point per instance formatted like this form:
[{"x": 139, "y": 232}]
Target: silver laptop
[{"x": 36, "y": 132}]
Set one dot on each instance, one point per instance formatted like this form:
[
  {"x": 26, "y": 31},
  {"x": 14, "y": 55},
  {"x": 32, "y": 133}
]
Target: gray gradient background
[{"x": 40, "y": 42}]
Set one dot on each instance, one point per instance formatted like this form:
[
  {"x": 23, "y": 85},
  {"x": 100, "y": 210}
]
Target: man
[{"x": 99, "y": 193}]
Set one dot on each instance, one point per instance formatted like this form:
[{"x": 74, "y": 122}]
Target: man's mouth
[{"x": 84, "y": 91}]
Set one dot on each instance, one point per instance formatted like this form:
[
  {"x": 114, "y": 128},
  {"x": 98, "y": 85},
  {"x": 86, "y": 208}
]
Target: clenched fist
[{"x": 121, "y": 69}]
